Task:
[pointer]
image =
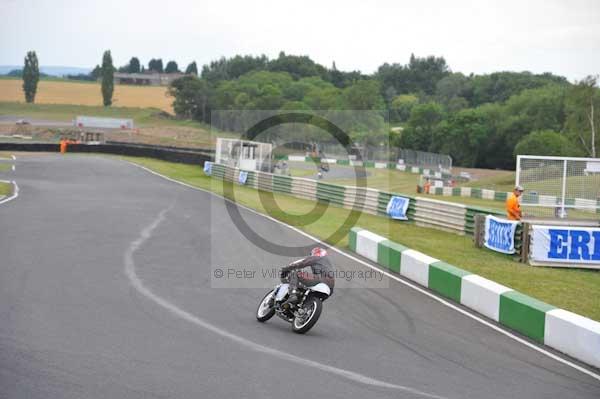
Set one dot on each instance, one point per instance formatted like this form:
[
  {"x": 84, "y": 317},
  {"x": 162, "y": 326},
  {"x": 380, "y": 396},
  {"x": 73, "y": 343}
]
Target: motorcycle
[{"x": 303, "y": 315}]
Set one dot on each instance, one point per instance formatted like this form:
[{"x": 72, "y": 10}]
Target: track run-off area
[{"x": 107, "y": 290}]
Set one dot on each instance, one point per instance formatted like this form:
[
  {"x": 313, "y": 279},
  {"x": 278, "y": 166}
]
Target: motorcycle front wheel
[
  {"x": 264, "y": 311},
  {"x": 313, "y": 307}
]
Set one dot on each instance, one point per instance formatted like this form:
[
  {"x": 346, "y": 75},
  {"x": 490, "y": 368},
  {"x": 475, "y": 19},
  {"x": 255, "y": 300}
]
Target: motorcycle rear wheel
[{"x": 313, "y": 305}]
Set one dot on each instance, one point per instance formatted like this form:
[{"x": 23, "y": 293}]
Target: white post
[
  {"x": 564, "y": 189},
  {"x": 259, "y": 164},
  {"x": 518, "y": 170},
  {"x": 218, "y": 151}
]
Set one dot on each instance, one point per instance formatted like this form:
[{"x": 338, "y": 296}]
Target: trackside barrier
[
  {"x": 587, "y": 205},
  {"x": 186, "y": 156},
  {"x": 366, "y": 164},
  {"x": 562, "y": 330},
  {"x": 424, "y": 212}
]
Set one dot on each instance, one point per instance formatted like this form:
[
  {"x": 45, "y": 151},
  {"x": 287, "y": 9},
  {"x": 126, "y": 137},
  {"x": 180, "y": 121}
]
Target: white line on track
[
  {"x": 137, "y": 283},
  {"x": 15, "y": 193},
  {"x": 409, "y": 284},
  {"x": 13, "y": 157}
]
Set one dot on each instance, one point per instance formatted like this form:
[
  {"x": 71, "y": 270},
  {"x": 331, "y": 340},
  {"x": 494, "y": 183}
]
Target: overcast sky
[{"x": 562, "y": 37}]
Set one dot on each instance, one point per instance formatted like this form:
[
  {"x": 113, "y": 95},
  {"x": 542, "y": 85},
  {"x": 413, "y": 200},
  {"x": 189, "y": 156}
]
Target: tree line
[{"x": 480, "y": 120}]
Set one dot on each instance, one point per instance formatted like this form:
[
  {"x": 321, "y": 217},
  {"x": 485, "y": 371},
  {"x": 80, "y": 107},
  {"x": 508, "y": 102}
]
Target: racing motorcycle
[{"x": 303, "y": 315}]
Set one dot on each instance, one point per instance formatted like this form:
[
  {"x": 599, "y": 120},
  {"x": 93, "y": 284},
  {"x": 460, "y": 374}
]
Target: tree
[
  {"x": 297, "y": 66},
  {"x": 107, "y": 78},
  {"x": 31, "y": 76},
  {"x": 232, "y": 68},
  {"x": 465, "y": 134},
  {"x": 96, "y": 72},
  {"x": 172, "y": 67},
  {"x": 583, "y": 110},
  {"x": 545, "y": 142},
  {"x": 192, "y": 69},
  {"x": 451, "y": 87},
  {"x": 422, "y": 127},
  {"x": 134, "y": 65},
  {"x": 500, "y": 86},
  {"x": 401, "y": 107},
  {"x": 364, "y": 95},
  {"x": 191, "y": 98},
  {"x": 155, "y": 65}
]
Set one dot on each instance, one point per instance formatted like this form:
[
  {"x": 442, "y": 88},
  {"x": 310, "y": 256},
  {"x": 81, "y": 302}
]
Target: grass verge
[
  {"x": 570, "y": 289},
  {"x": 5, "y": 189}
]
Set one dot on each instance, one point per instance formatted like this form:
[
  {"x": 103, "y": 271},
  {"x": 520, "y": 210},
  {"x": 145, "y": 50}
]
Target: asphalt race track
[{"x": 105, "y": 292}]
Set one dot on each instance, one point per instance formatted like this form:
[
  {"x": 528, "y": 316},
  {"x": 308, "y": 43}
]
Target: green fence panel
[
  {"x": 446, "y": 280},
  {"x": 383, "y": 199},
  {"x": 218, "y": 171},
  {"x": 500, "y": 195},
  {"x": 251, "y": 180},
  {"x": 456, "y": 191},
  {"x": 330, "y": 193},
  {"x": 470, "y": 217},
  {"x": 265, "y": 182},
  {"x": 475, "y": 192},
  {"x": 352, "y": 238},
  {"x": 369, "y": 164},
  {"x": 524, "y": 314},
  {"x": 343, "y": 162},
  {"x": 389, "y": 255},
  {"x": 282, "y": 184}
]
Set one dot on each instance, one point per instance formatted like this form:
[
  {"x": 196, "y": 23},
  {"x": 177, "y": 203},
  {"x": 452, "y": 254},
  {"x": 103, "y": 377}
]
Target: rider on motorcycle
[{"x": 321, "y": 271}]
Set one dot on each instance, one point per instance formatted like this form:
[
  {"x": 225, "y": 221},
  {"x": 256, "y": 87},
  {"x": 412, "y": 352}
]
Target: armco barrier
[
  {"x": 567, "y": 332},
  {"x": 158, "y": 152},
  {"x": 366, "y": 164},
  {"x": 528, "y": 198},
  {"x": 447, "y": 216}
]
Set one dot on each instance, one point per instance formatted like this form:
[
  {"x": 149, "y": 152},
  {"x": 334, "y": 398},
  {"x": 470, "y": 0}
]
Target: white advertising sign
[{"x": 566, "y": 246}]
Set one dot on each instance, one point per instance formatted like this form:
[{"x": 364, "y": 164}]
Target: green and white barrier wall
[
  {"x": 562, "y": 330},
  {"x": 425, "y": 212},
  {"x": 528, "y": 198},
  {"x": 367, "y": 164}
]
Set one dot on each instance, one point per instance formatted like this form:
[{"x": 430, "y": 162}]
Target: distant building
[{"x": 149, "y": 79}]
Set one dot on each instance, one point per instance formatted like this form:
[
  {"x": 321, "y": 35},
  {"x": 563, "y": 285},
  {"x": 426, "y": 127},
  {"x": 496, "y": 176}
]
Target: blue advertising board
[
  {"x": 500, "y": 234},
  {"x": 208, "y": 168},
  {"x": 397, "y": 207},
  {"x": 243, "y": 177}
]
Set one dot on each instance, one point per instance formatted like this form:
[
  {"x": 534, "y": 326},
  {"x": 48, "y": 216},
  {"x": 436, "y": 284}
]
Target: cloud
[{"x": 561, "y": 37}]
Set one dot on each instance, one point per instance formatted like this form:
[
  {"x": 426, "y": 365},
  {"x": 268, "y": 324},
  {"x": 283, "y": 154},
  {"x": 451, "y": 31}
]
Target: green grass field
[
  {"x": 571, "y": 289},
  {"x": 5, "y": 188},
  {"x": 503, "y": 181},
  {"x": 66, "y": 112}
]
